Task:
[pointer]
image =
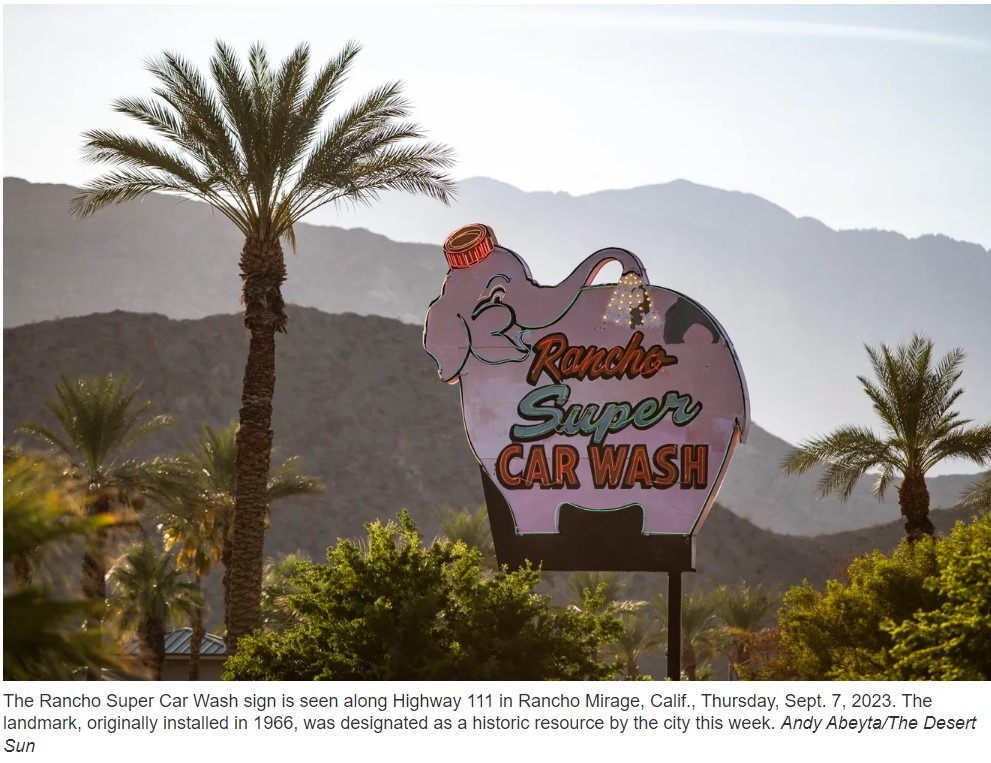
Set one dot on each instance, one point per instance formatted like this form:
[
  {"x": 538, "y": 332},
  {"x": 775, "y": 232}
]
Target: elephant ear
[{"x": 446, "y": 338}]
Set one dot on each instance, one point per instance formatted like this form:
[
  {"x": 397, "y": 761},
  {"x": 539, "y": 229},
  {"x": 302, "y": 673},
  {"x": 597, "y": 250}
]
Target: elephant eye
[
  {"x": 496, "y": 295},
  {"x": 485, "y": 301}
]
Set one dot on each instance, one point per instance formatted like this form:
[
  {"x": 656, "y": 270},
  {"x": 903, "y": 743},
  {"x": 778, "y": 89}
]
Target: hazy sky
[{"x": 858, "y": 116}]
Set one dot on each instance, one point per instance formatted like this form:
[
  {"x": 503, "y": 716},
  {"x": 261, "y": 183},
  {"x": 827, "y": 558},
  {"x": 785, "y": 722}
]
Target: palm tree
[
  {"x": 611, "y": 584},
  {"x": 279, "y": 582},
  {"x": 190, "y": 530},
  {"x": 251, "y": 145},
  {"x": 43, "y": 637},
  {"x": 151, "y": 595},
  {"x": 914, "y": 400},
  {"x": 700, "y": 632},
  {"x": 99, "y": 423},
  {"x": 640, "y": 636},
  {"x": 743, "y": 611},
  {"x": 200, "y": 521},
  {"x": 470, "y": 527}
]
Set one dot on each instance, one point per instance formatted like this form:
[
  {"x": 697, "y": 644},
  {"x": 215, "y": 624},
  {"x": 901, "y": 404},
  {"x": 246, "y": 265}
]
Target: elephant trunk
[{"x": 546, "y": 304}]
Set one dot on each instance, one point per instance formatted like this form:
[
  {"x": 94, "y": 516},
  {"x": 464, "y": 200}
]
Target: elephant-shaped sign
[{"x": 601, "y": 397}]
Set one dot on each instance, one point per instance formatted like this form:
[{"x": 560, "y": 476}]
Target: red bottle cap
[{"x": 469, "y": 244}]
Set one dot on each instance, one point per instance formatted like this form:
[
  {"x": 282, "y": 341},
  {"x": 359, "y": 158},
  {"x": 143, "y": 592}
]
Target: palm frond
[
  {"x": 973, "y": 444},
  {"x": 249, "y": 142},
  {"x": 978, "y": 494},
  {"x": 187, "y": 92},
  {"x": 286, "y": 481},
  {"x": 122, "y": 185},
  {"x": 148, "y": 584}
]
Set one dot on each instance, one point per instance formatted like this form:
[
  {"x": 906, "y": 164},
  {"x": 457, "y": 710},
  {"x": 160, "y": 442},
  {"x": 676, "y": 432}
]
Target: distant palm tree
[
  {"x": 151, "y": 595},
  {"x": 43, "y": 636},
  {"x": 251, "y": 144},
  {"x": 201, "y": 520},
  {"x": 278, "y": 584},
  {"x": 914, "y": 400},
  {"x": 641, "y": 635},
  {"x": 611, "y": 583},
  {"x": 743, "y": 611},
  {"x": 99, "y": 422},
  {"x": 700, "y": 631},
  {"x": 190, "y": 529},
  {"x": 471, "y": 527}
]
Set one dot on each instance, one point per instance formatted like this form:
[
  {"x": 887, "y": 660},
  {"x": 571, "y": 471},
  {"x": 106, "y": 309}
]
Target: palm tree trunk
[
  {"x": 23, "y": 569},
  {"x": 95, "y": 570},
  {"x": 688, "y": 663},
  {"x": 263, "y": 271},
  {"x": 196, "y": 637},
  {"x": 226, "y": 560},
  {"x": 913, "y": 499},
  {"x": 94, "y": 555},
  {"x": 151, "y": 637}
]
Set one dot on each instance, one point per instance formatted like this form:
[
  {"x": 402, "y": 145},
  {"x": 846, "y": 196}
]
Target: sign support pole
[{"x": 674, "y": 625}]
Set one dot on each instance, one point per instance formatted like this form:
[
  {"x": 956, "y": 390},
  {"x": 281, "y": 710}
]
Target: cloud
[{"x": 638, "y": 21}]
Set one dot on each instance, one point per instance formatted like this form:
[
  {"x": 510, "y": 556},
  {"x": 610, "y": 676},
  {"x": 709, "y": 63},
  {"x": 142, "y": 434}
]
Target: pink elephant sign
[{"x": 598, "y": 397}]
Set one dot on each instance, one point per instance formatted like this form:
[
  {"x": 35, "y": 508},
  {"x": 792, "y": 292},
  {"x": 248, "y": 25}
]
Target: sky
[{"x": 862, "y": 117}]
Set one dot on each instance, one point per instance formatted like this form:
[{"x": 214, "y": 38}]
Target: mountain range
[{"x": 798, "y": 299}]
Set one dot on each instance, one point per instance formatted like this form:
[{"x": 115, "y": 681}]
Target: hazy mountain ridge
[
  {"x": 181, "y": 259},
  {"x": 798, "y": 299}
]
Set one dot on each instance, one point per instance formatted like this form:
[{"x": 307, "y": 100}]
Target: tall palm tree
[
  {"x": 99, "y": 422},
  {"x": 743, "y": 611},
  {"x": 252, "y": 145},
  {"x": 914, "y": 400},
  {"x": 199, "y": 521},
  {"x": 150, "y": 595}
]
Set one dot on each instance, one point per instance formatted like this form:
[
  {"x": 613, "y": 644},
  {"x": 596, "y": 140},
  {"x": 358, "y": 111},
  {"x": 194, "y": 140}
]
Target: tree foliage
[
  {"x": 397, "y": 610},
  {"x": 43, "y": 635},
  {"x": 744, "y": 612},
  {"x": 924, "y": 612},
  {"x": 701, "y": 633},
  {"x": 979, "y": 494},
  {"x": 100, "y": 421},
  {"x": 953, "y": 641},
  {"x": 838, "y": 634},
  {"x": 470, "y": 527}
]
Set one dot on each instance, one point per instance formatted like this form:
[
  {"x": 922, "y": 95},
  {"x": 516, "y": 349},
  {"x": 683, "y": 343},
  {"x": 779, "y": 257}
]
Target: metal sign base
[{"x": 597, "y": 540}]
